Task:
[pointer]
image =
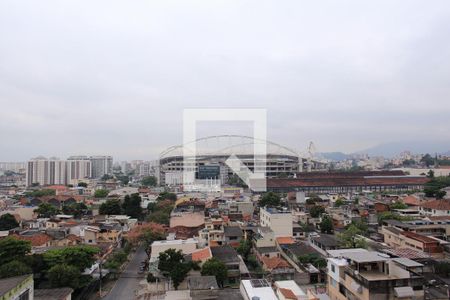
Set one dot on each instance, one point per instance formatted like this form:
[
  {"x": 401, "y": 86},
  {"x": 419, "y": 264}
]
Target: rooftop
[
  {"x": 52, "y": 294},
  {"x": 232, "y": 231},
  {"x": 202, "y": 283},
  {"x": 366, "y": 257},
  {"x": 418, "y": 237},
  {"x": 258, "y": 288},
  {"x": 328, "y": 240},
  {"x": 174, "y": 242},
  {"x": 443, "y": 204},
  {"x": 225, "y": 254},
  {"x": 10, "y": 283},
  {"x": 407, "y": 262}
]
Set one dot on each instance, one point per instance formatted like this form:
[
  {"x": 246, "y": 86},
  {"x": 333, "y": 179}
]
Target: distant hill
[
  {"x": 334, "y": 156},
  {"x": 394, "y": 148}
]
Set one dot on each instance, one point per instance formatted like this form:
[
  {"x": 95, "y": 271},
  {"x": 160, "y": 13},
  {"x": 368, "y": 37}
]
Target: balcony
[{"x": 378, "y": 282}]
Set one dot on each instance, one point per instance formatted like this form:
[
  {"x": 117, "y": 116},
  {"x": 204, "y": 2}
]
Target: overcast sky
[{"x": 113, "y": 77}]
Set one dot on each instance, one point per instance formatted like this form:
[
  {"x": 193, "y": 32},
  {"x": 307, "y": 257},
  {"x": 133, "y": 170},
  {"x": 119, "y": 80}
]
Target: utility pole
[{"x": 100, "y": 286}]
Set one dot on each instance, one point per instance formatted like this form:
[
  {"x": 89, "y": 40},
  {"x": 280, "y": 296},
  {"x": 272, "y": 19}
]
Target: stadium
[{"x": 212, "y": 152}]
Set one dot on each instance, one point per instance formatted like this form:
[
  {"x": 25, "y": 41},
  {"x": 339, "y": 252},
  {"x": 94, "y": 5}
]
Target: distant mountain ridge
[
  {"x": 334, "y": 156},
  {"x": 392, "y": 149},
  {"x": 389, "y": 150}
]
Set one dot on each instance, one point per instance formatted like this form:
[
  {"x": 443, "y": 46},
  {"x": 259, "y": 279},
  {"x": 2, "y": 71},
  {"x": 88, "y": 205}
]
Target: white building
[
  {"x": 256, "y": 289},
  {"x": 101, "y": 165},
  {"x": 46, "y": 171},
  {"x": 55, "y": 171},
  {"x": 280, "y": 221},
  {"x": 186, "y": 246}
]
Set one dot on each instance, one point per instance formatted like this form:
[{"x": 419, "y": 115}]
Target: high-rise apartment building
[
  {"x": 46, "y": 171},
  {"x": 18, "y": 167},
  {"x": 54, "y": 171},
  {"x": 78, "y": 169},
  {"x": 101, "y": 165}
]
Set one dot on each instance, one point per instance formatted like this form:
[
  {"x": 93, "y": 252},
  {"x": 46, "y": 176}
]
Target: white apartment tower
[{"x": 101, "y": 165}]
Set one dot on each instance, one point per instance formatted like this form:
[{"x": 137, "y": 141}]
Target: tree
[
  {"x": 326, "y": 226},
  {"x": 171, "y": 264},
  {"x": 132, "y": 206},
  {"x": 312, "y": 258},
  {"x": 435, "y": 185},
  {"x": 361, "y": 225},
  {"x": 270, "y": 199},
  {"x": 430, "y": 174},
  {"x": 146, "y": 233},
  {"x": 82, "y": 184},
  {"x": 110, "y": 207},
  {"x": 350, "y": 238},
  {"x": 168, "y": 259},
  {"x": 427, "y": 160},
  {"x": 101, "y": 193},
  {"x": 440, "y": 194},
  {"x": 46, "y": 210},
  {"x": 64, "y": 275},
  {"x": 106, "y": 177},
  {"x": 7, "y": 222},
  {"x": 310, "y": 201},
  {"x": 307, "y": 227},
  {"x": 235, "y": 180},
  {"x": 41, "y": 193},
  {"x": 214, "y": 267},
  {"x": 75, "y": 209},
  {"x": 388, "y": 215},
  {"x": 80, "y": 257},
  {"x": 14, "y": 268},
  {"x": 159, "y": 217},
  {"x": 442, "y": 268},
  {"x": 398, "y": 205},
  {"x": 166, "y": 196},
  {"x": 124, "y": 179},
  {"x": 13, "y": 249},
  {"x": 161, "y": 213},
  {"x": 245, "y": 246},
  {"x": 149, "y": 181},
  {"x": 316, "y": 211},
  {"x": 339, "y": 202}
]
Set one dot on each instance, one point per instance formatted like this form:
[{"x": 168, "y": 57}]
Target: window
[
  {"x": 333, "y": 269},
  {"x": 25, "y": 295}
]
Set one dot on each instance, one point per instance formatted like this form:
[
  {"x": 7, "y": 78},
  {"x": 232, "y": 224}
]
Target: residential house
[
  {"x": 53, "y": 294},
  {"x": 233, "y": 235},
  {"x": 278, "y": 220},
  {"x": 435, "y": 208},
  {"x": 289, "y": 290},
  {"x": 188, "y": 246},
  {"x": 229, "y": 257},
  {"x": 397, "y": 238},
  {"x": 324, "y": 242},
  {"x": 278, "y": 268},
  {"x": 17, "y": 288},
  {"x": 203, "y": 287},
  {"x": 365, "y": 275},
  {"x": 253, "y": 289}
]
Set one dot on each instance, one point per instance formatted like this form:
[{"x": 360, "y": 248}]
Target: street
[{"x": 125, "y": 287}]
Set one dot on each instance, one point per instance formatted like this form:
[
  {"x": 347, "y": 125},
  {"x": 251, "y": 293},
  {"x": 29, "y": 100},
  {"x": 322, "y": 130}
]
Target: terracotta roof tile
[
  {"x": 202, "y": 254},
  {"x": 37, "y": 240},
  {"x": 272, "y": 263},
  {"x": 418, "y": 237},
  {"x": 443, "y": 204},
  {"x": 285, "y": 240},
  {"x": 288, "y": 294}
]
